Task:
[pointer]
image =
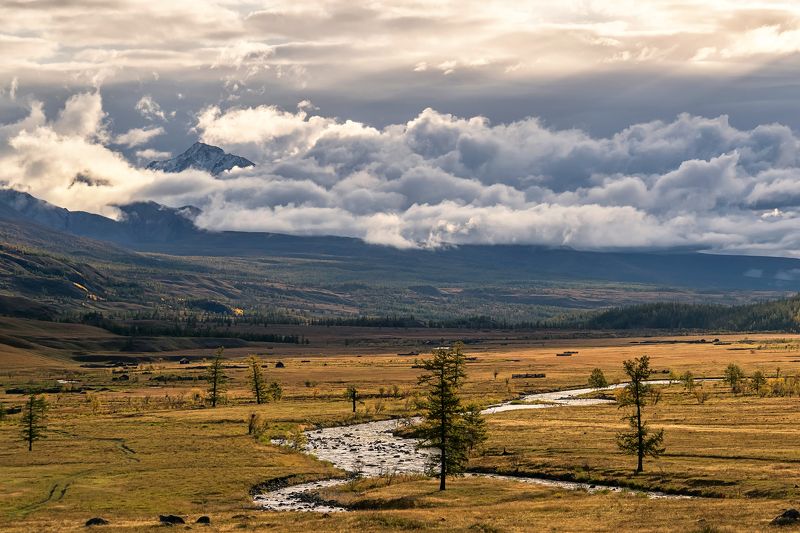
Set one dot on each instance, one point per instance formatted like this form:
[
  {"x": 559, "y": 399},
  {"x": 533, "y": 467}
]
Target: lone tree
[
  {"x": 33, "y": 415},
  {"x": 735, "y": 378},
  {"x": 687, "y": 378},
  {"x": 216, "y": 378},
  {"x": 352, "y": 395},
  {"x": 446, "y": 425},
  {"x": 257, "y": 382},
  {"x": 598, "y": 380},
  {"x": 638, "y": 440}
]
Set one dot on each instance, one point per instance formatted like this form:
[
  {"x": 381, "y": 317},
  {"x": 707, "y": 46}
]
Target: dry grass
[{"x": 144, "y": 448}]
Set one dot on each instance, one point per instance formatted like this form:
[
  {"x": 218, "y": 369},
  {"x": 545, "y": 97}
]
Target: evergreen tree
[
  {"x": 216, "y": 378},
  {"x": 474, "y": 428},
  {"x": 352, "y": 395},
  {"x": 446, "y": 425},
  {"x": 275, "y": 391},
  {"x": 257, "y": 383},
  {"x": 597, "y": 380},
  {"x": 33, "y": 416},
  {"x": 638, "y": 440}
]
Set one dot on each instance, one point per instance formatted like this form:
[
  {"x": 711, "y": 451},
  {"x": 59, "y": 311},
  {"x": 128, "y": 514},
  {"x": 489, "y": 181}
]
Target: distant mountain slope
[
  {"x": 142, "y": 222},
  {"x": 154, "y": 228},
  {"x": 202, "y": 156},
  {"x": 779, "y": 315}
]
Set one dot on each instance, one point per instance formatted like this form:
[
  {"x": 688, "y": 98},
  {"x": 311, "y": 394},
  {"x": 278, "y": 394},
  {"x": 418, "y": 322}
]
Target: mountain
[
  {"x": 202, "y": 156},
  {"x": 50, "y": 249},
  {"x": 141, "y": 222}
]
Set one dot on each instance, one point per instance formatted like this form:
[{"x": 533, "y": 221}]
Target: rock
[
  {"x": 170, "y": 519},
  {"x": 203, "y": 520},
  {"x": 788, "y": 517},
  {"x": 96, "y": 521}
]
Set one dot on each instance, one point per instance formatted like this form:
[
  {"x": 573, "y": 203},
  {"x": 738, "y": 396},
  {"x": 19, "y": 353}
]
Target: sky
[{"x": 587, "y": 124}]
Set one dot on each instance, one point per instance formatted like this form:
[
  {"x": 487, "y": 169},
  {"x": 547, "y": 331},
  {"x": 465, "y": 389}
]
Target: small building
[{"x": 184, "y": 361}]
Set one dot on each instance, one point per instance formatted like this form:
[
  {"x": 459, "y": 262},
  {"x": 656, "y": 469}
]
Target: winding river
[{"x": 371, "y": 449}]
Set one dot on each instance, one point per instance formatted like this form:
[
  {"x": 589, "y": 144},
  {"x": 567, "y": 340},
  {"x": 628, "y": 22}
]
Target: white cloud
[
  {"x": 152, "y": 155},
  {"x": 138, "y": 136},
  {"x": 440, "y": 178},
  {"x": 149, "y": 108}
]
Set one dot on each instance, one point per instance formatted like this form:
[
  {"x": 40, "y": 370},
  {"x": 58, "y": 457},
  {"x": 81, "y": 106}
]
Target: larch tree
[
  {"x": 352, "y": 395},
  {"x": 33, "y": 417},
  {"x": 447, "y": 425},
  {"x": 597, "y": 380},
  {"x": 216, "y": 378},
  {"x": 639, "y": 440},
  {"x": 257, "y": 382}
]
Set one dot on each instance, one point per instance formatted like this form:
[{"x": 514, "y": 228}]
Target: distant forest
[{"x": 778, "y": 315}]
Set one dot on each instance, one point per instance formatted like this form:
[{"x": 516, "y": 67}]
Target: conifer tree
[
  {"x": 33, "y": 416},
  {"x": 638, "y": 440},
  {"x": 216, "y": 378}
]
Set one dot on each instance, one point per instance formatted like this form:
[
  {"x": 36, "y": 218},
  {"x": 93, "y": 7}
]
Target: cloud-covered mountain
[
  {"x": 146, "y": 226},
  {"x": 439, "y": 179},
  {"x": 139, "y": 222},
  {"x": 202, "y": 156}
]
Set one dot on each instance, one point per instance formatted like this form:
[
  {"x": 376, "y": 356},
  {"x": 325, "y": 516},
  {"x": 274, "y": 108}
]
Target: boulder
[
  {"x": 170, "y": 519},
  {"x": 96, "y": 521},
  {"x": 203, "y": 520},
  {"x": 787, "y": 518}
]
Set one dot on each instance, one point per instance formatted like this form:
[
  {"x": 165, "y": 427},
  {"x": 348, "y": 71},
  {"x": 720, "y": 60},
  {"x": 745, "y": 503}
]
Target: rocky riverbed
[{"x": 371, "y": 449}]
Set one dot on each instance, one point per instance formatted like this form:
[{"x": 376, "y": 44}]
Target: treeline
[
  {"x": 778, "y": 315},
  {"x": 409, "y": 321},
  {"x": 177, "y": 329}
]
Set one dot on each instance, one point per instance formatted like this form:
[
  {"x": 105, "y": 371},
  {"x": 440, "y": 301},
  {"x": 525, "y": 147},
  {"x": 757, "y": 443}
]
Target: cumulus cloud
[
  {"x": 440, "y": 179},
  {"x": 138, "y": 136}
]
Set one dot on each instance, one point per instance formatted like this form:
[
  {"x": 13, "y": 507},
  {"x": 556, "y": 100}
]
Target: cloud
[
  {"x": 149, "y": 108},
  {"x": 138, "y": 136},
  {"x": 150, "y": 154},
  {"x": 439, "y": 178}
]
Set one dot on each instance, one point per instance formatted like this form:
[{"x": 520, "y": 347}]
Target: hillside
[
  {"x": 778, "y": 315},
  {"x": 154, "y": 259}
]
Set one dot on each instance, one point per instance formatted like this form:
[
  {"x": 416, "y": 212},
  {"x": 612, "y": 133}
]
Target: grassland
[{"x": 131, "y": 450}]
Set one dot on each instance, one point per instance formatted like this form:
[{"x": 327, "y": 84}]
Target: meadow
[{"x": 130, "y": 449}]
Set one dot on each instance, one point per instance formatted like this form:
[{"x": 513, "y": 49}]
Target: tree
[
  {"x": 638, "y": 440},
  {"x": 598, "y": 380},
  {"x": 687, "y": 379},
  {"x": 352, "y": 395},
  {"x": 734, "y": 377},
  {"x": 447, "y": 425},
  {"x": 275, "y": 391},
  {"x": 33, "y": 416},
  {"x": 474, "y": 429},
  {"x": 216, "y": 378},
  {"x": 257, "y": 383},
  {"x": 758, "y": 380}
]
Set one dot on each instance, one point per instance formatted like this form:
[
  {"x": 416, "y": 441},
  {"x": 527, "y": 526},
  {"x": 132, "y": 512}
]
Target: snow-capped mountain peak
[{"x": 202, "y": 156}]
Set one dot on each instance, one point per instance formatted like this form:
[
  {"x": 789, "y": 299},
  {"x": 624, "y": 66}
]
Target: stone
[
  {"x": 170, "y": 519},
  {"x": 203, "y": 520},
  {"x": 787, "y": 518},
  {"x": 96, "y": 521}
]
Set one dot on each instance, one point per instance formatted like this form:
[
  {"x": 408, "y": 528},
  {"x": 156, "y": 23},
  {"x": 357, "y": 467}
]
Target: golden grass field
[{"x": 129, "y": 451}]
